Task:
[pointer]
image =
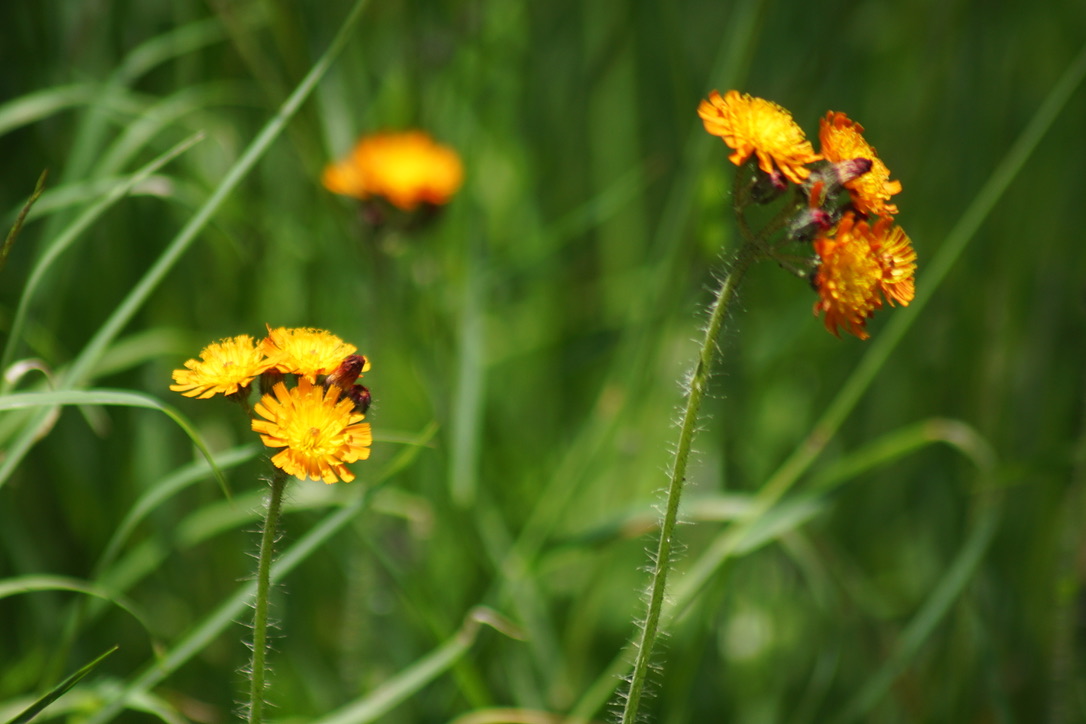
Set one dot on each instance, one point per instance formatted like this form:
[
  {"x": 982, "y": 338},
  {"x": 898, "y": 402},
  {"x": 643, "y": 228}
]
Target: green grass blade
[
  {"x": 60, "y": 689},
  {"x": 123, "y": 398},
  {"x": 411, "y": 680},
  {"x": 933, "y": 611},
  {"x": 18, "y": 225},
  {"x": 38, "y": 583},
  {"x": 163, "y": 491},
  {"x": 470, "y": 384},
  {"x": 37, "y": 106},
  {"x": 69, "y": 237},
  {"x": 81, "y": 193}
]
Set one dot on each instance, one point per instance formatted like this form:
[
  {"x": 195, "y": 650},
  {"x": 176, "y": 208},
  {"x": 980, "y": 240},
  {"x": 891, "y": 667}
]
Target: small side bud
[
  {"x": 768, "y": 187},
  {"x": 361, "y": 398},
  {"x": 348, "y": 371},
  {"x": 810, "y": 222},
  {"x": 270, "y": 379},
  {"x": 831, "y": 178},
  {"x": 852, "y": 169}
]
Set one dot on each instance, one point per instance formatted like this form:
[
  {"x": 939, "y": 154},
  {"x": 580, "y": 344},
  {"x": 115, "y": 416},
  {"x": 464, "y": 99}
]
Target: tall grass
[{"x": 876, "y": 531}]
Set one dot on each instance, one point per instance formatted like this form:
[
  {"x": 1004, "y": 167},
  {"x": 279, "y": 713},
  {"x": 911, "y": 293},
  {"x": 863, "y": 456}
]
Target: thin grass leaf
[
  {"x": 414, "y": 678},
  {"x": 217, "y": 518},
  {"x": 164, "y": 491},
  {"x": 470, "y": 384},
  {"x": 123, "y": 398},
  {"x": 60, "y": 689},
  {"x": 934, "y": 610},
  {"x": 17, "y": 227},
  {"x": 81, "y": 193},
  {"x": 38, "y": 583},
  {"x": 69, "y": 237},
  {"x": 163, "y": 115},
  {"x": 34, "y": 107}
]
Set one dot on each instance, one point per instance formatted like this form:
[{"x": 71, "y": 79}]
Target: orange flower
[
  {"x": 318, "y": 431},
  {"x": 406, "y": 168},
  {"x": 842, "y": 140},
  {"x": 857, "y": 263},
  {"x": 224, "y": 367},
  {"x": 306, "y": 352},
  {"x": 897, "y": 258},
  {"x": 760, "y": 127}
]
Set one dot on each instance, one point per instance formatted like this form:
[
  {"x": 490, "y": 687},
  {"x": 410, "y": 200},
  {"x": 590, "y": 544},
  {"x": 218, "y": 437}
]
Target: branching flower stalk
[{"x": 837, "y": 205}]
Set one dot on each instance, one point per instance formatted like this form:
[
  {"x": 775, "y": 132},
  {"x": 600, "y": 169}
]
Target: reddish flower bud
[
  {"x": 348, "y": 371},
  {"x": 852, "y": 169},
  {"x": 361, "y": 398}
]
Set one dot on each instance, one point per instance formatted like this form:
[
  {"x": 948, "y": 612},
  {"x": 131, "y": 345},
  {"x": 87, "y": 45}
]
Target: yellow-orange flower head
[
  {"x": 319, "y": 432},
  {"x": 842, "y": 140},
  {"x": 407, "y": 169},
  {"x": 224, "y": 368},
  {"x": 306, "y": 352},
  {"x": 759, "y": 127},
  {"x": 857, "y": 263}
]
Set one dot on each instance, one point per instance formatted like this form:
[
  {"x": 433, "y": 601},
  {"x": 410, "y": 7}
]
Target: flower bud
[
  {"x": 348, "y": 371},
  {"x": 768, "y": 187},
  {"x": 810, "y": 222},
  {"x": 361, "y": 398}
]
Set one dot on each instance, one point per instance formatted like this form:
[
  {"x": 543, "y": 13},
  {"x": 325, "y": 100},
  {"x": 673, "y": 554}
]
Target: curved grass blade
[
  {"x": 162, "y": 115},
  {"x": 928, "y": 617},
  {"x": 68, "y": 237},
  {"x": 37, "y": 583},
  {"x": 33, "y": 107},
  {"x": 217, "y": 518},
  {"x": 123, "y": 398},
  {"x": 412, "y": 679},
  {"x": 17, "y": 227},
  {"x": 60, "y": 689},
  {"x": 163, "y": 491}
]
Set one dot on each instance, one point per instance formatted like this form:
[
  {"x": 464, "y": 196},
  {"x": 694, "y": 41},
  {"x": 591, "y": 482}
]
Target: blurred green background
[{"x": 544, "y": 323}]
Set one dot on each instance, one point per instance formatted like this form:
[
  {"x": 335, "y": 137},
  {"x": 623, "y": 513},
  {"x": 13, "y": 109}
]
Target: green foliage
[{"x": 878, "y": 531}]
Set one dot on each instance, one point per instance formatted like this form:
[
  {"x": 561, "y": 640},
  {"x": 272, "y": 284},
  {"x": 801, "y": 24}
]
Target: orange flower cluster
[
  {"x": 317, "y": 422},
  {"x": 862, "y": 258}
]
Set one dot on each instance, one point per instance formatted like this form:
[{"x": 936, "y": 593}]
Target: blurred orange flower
[
  {"x": 842, "y": 140},
  {"x": 857, "y": 262},
  {"x": 756, "y": 126},
  {"x": 407, "y": 168}
]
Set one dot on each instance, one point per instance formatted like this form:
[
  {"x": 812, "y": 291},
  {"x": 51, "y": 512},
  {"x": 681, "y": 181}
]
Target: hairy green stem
[
  {"x": 699, "y": 380},
  {"x": 258, "y": 668}
]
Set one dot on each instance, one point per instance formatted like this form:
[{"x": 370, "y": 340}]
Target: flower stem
[
  {"x": 278, "y": 484},
  {"x": 750, "y": 252}
]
